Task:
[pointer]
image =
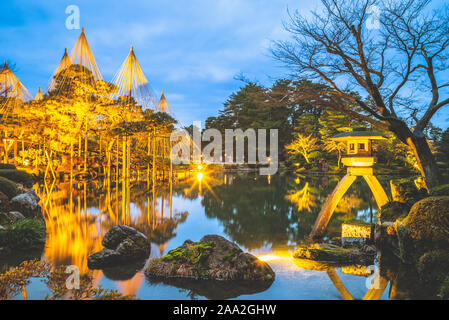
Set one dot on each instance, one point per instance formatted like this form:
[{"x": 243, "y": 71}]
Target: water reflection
[{"x": 266, "y": 216}]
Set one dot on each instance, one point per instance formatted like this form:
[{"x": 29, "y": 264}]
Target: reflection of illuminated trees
[
  {"x": 77, "y": 217},
  {"x": 349, "y": 203},
  {"x": 255, "y": 214},
  {"x": 303, "y": 199}
]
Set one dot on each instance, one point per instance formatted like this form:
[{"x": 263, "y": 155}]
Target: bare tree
[{"x": 397, "y": 60}]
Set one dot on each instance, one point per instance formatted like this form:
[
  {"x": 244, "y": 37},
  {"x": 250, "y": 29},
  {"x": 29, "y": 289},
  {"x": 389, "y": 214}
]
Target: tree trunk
[
  {"x": 427, "y": 164},
  {"x": 418, "y": 144}
]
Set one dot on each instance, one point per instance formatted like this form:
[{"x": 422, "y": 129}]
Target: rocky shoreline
[{"x": 22, "y": 225}]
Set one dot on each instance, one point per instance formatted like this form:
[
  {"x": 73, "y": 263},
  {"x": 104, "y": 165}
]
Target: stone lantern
[{"x": 359, "y": 161}]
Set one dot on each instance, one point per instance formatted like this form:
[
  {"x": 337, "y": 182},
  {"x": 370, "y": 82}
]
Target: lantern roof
[{"x": 359, "y": 133}]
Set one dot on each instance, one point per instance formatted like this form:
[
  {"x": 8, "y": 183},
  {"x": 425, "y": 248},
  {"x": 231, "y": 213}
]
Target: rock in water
[
  {"x": 122, "y": 245},
  {"x": 334, "y": 254},
  {"x": 27, "y": 204},
  {"x": 213, "y": 257},
  {"x": 425, "y": 228}
]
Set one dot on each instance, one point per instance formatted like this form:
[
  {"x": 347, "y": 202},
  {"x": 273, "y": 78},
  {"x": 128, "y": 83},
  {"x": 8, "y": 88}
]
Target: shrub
[
  {"x": 24, "y": 234},
  {"x": 8, "y": 187},
  {"x": 18, "y": 176},
  {"x": 442, "y": 190},
  {"x": 392, "y": 211}
]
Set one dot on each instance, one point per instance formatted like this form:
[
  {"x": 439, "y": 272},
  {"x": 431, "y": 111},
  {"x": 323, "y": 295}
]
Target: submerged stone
[{"x": 213, "y": 257}]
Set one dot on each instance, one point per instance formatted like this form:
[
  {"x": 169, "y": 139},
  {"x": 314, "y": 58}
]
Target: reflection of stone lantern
[{"x": 359, "y": 160}]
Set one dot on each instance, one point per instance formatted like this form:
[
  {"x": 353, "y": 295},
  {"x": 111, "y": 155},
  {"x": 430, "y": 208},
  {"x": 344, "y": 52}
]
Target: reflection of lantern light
[
  {"x": 199, "y": 176},
  {"x": 200, "y": 167},
  {"x": 26, "y": 162},
  {"x": 271, "y": 257}
]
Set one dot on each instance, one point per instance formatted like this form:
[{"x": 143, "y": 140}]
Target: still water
[{"x": 266, "y": 216}]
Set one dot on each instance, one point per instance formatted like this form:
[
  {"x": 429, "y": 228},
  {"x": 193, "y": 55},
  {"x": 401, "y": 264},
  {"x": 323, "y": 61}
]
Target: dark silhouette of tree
[{"x": 400, "y": 66}]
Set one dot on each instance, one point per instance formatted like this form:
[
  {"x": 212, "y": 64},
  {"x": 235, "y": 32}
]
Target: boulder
[
  {"x": 27, "y": 204},
  {"x": 122, "y": 245},
  {"x": 386, "y": 238},
  {"x": 211, "y": 258},
  {"x": 8, "y": 187},
  {"x": 18, "y": 176},
  {"x": 324, "y": 252},
  {"x": 433, "y": 267},
  {"x": 4, "y": 202},
  {"x": 15, "y": 216},
  {"x": 426, "y": 228},
  {"x": 7, "y": 218}
]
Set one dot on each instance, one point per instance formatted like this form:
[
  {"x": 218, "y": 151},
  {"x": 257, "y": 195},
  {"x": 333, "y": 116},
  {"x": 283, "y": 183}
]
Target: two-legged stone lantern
[{"x": 359, "y": 160}]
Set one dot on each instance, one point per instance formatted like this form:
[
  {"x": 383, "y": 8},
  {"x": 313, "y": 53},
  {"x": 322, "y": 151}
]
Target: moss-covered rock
[
  {"x": 439, "y": 191},
  {"x": 213, "y": 257},
  {"x": 18, "y": 176},
  {"x": 433, "y": 266},
  {"x": 24, "y": 234},
  {"x": 324, "y": 252},
  {"x": 426, "y": 228},
  {"x": 406, "y": 191},
  {"x": 8, "y": 187},
  {"x": 392, "y": 211}
]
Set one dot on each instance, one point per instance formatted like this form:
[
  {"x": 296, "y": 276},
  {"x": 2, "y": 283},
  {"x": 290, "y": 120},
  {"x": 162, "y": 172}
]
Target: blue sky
[{"x": 190, "y": 49}]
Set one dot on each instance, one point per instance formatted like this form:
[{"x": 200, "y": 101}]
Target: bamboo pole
[
  {"x": 15, "y": 152},
  {"x": 148, "y": 164},
  {"x": 23, "y": 152},
  {"x": 85, "y": 148},
  {"x": 154, "y": 156},
  {"x": 171, "y": 179}
]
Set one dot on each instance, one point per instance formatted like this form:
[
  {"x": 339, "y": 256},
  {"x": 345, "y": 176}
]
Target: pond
[{"x": 266, "y": 216}]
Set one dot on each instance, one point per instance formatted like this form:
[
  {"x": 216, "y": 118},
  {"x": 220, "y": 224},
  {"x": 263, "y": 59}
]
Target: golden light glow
[
  {"x": 82, "y": 55},
  {"x": 63, "y": 64},
  {"x": 303, "y": 199},
  {"x": 271, "y": 257},
  {"x": 163, "y": 105},
  {"x": 204, "y": 177},
  {"x": 131, "y": 81},
  {"x": 11, "y": 85}
]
